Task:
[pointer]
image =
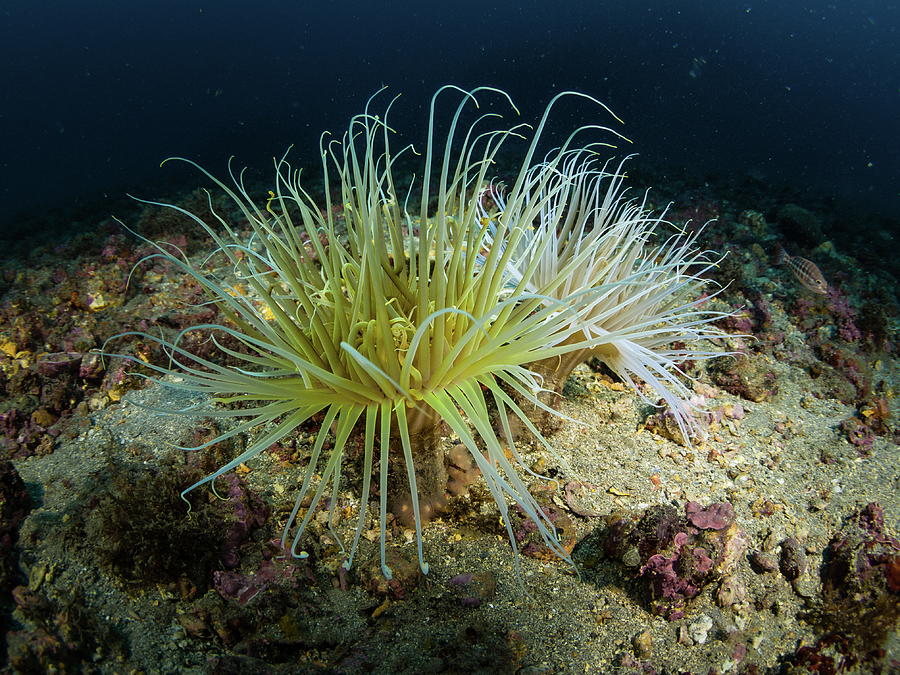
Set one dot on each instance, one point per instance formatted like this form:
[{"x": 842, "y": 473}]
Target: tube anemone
[
  {"x": 587, "y": 236},
  {"x": 397, "y": 326}
]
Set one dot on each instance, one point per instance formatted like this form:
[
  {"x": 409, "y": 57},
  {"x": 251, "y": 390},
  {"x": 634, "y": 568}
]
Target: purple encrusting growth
[
  {"x": 678, "y": 577},
  {"x": 861, "y": 581},
  {"x": 878, "y": 549},
  {"x": 844, "y": 315},
  {"x": 677, "y": 556},
  {"x": 714, "y": 517},
  {"x": 858, "y": 433},
  {"x": 249, "y": 512}
]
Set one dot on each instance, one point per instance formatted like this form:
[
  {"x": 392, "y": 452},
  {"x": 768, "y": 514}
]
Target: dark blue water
[{"x": 94, "y": 95}]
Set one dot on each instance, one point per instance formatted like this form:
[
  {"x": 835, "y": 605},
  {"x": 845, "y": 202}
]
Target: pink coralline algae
[
  {"x": 249, "y": 513},
  {"x": 677, "y": 556},
  {"x": 739, "y": 322},
  {"x": 844, "y": 315},
  {"x": 714, "y": 517},
  {"x": 679, "y": 577},
  {"x": 753, "y": 317},
  {"x": 858, "y": 434}
]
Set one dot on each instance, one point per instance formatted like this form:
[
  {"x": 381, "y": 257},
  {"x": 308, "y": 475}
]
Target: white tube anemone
[{"x": 581, "y": 231}]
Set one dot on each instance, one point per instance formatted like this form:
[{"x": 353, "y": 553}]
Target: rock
[
  {"x": 405, "y": 576},
  {"x": 861, "y": 578},
  {"x": 731, "y": 592},
  {"x": 91, "y": 367},
  {"x": 762, "y": 562},
  {"x": 802, "y": 225},
  {"x": 699, "y": 629},
  {"x": 806, "y": 587},
  {"x": 631, "y": 557},
  {"x": 793, "y": 559},
  {"x": 749, "y": 377},
  {"x": 642, "y": 644},
  {"x": 674, "y": 557},
  {"x": 473, "y": 589},
  {"x": 54, "y": 365}
]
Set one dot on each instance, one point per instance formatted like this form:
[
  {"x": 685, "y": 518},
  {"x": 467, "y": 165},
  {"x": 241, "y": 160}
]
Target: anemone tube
[{"x": 399, "y": 328}]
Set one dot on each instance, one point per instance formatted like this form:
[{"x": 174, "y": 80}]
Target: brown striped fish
[{"x": 807, "y": 272}]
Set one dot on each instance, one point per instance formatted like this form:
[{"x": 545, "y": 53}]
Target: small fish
[{"x": 806, "y": 271}]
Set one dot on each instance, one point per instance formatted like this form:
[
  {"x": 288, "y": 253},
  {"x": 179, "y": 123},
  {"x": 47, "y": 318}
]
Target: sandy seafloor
[{"x": 81, "y": 602}]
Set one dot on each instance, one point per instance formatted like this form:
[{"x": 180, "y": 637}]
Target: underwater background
[
  {"x": 769, "y": 543},
  {"x": 803, "y": 96}
]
